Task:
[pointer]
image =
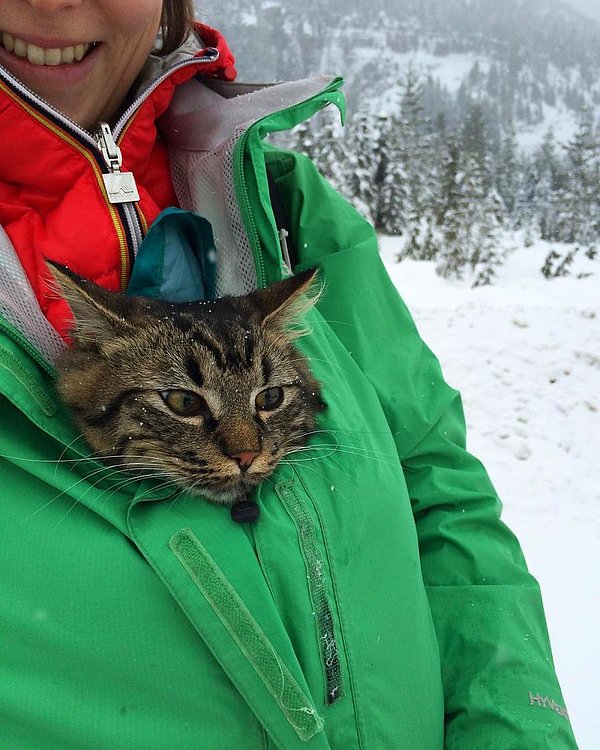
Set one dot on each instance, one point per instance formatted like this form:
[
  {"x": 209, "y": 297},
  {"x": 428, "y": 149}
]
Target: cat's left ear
[
  {"x": 98, "y": 313},
  {"x": 281, "y": 302}
]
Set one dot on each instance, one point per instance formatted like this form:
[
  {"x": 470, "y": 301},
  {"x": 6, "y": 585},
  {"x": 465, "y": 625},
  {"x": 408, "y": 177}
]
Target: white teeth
[
  {"x": 20, "y": 48},
  {"x": 35, "y": 55},
  {"x": 68, "y": 55},
  {"x": 53, "y": 57},
  {"x": 8, "y": 41},
  {"x": 39, "y": 56},
  {"x": 80, "y": 50}
]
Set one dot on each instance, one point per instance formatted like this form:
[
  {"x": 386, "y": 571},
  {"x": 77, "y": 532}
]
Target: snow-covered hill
[
  {"x": 525, "y": 354},
  {"x": 535, "y": 63}
]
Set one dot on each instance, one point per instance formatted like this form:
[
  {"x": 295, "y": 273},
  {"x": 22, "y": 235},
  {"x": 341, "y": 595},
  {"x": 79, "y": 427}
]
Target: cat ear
[
  {"x": 285, "y": 300},
  {"x": 99, "y": 314}
]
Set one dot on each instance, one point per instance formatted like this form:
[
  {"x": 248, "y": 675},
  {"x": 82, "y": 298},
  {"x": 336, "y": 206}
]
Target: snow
[
  {"x": 525, "y": 354},
  {"x": 563, "y": 122},
  {"x": 450, "y": 70}
]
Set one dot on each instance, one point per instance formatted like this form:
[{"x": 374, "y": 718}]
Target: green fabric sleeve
[{"x": 500, "y": 686}]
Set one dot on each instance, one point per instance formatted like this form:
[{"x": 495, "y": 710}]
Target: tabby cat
[{"x": 210, "y": 395}]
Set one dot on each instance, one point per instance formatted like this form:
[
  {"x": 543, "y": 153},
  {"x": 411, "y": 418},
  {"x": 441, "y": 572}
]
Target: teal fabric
[{"x": 177, "y": 259}]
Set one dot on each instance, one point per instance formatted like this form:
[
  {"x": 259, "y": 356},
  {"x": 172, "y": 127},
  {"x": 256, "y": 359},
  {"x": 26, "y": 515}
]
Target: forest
[
  {"x": 468, "y": 120},
  {"x": 451, "y": 192}
]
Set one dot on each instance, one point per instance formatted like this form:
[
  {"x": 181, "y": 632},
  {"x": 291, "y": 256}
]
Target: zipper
[
  {"x": 211, "y": 55},
  {"x": 103, "y": 152},
  {"x": 120, "y": 186},
  {"x": 245, "y": 205},
  {"x": 319, "y": 578}
]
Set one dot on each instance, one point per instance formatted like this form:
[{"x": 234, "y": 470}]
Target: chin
[{"x": 226, "y": 494}]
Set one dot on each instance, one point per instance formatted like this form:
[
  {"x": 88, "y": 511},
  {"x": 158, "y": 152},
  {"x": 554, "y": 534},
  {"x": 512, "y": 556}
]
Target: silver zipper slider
[
  {"x": 120, "y": 186},
  {"x": 285, "y": 252}
]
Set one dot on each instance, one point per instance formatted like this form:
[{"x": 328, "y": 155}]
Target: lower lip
[{"x": 66, "y": 73}]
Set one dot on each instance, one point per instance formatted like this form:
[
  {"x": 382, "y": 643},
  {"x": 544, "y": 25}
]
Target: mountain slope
[{"x": 535, "y": 63}]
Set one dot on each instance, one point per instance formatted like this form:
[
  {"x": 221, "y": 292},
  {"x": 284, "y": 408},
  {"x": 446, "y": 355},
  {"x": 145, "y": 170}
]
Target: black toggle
[{"x": 246, "y": 511}]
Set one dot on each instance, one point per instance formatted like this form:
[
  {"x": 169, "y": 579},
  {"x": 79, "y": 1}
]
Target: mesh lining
[
  {"x": 202, "y": 126},
  {"x": 203, "y": 182},
  {"x": 19, "y": 306}
]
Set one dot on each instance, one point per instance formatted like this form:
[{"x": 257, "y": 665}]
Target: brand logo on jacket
[
  {"x": 545, "y": 702},
  {"x": 121, "y": 187}
]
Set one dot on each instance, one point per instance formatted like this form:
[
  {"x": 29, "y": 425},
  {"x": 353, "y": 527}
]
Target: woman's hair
[{"x": 177, "y": 19}]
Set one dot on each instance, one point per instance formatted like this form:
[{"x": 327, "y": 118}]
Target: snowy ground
[{"x": 526, "y": 355}]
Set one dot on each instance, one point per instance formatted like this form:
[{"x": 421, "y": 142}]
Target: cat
[{"x": 209, "y": 395}]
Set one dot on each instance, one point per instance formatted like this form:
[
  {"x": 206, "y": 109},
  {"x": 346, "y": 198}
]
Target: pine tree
[
  {"x": 390, "y": 178},
  {"x": 507, "y": 170},
  {"x": 448, "y": 194},
  {"x": 330, "y": 153},
  {"x": 524, "y": 216},
  {"x": 534, "y": 208},
  {"x": 415, "y": 167},
  {"x": 474, "y": 133},
  {"x": 578, "y": 203},
  {"x": 303, "y": 139},
  {"x": 557, "y": 264},
  {"x": 579, "y": 217},
  {"x": 362, "y": 164},
  {"x": 548, "y": 190},
  {"x": 470, "y": 228},
  {"x": 487, "y": 254}
]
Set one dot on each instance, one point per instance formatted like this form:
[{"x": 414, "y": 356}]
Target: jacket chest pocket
[{"x": 294, "y": 554}]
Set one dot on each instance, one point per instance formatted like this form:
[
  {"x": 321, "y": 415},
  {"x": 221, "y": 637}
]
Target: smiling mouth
[{"x": 39, "y": 56}]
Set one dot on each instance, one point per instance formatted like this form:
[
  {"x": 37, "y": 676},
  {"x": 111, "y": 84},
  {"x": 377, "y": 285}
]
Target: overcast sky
[{"x": 590, "y": 7}]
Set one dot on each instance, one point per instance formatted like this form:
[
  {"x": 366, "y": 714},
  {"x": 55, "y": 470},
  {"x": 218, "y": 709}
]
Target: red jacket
[{"x": 53, "y": 203}]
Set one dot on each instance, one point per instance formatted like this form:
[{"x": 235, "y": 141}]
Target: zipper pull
[
  {"x": 120, "y": 186},
  {"x": 285, "y": 251}
]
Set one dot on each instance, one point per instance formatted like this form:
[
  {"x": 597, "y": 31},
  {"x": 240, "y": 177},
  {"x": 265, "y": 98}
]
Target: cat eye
[
  {"x": 269, "y": 399},
  {"x": 183, "y": 403}
]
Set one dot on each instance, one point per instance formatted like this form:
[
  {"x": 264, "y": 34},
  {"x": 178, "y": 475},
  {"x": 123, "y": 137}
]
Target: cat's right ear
[
  {"x": 98, "y": 313},
  {"x": 286, "y": 300}
]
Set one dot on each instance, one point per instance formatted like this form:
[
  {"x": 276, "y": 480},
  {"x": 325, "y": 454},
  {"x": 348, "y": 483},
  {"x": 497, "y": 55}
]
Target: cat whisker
[
  {"x": 348, "y": 450},
  {"x": 331, "y": 432},
  {"x": 174, "y": 501},
  {"x": 105, "y": 499},
  {"x": 307, "y": 434},
  {"x": 337, "y": 368},
  {"x": 70, "y": 445},
  {"x": 340, "y": 493},
  {"x": 152, "y": 474},
  {"x": 96, "y": 456},
  {"x": 311, "y": 458},
  {"x": 364, "y": 431},
  {"x": 100, "y": 473},
  {"x": 52, "y": 500},
  {"x": 365, "y": 451},
  {"x": 66, "y": 491},
  {"x": 58, "y": 461}
]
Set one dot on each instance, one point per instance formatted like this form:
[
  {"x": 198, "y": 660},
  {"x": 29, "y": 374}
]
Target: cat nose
[{"x": 244, "y": 458}]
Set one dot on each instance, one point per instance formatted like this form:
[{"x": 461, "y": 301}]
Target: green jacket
[{"x": 378, "y": 603}]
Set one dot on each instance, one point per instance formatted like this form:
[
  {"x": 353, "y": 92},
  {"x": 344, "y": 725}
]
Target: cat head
[{"x": 210, "y": 395}]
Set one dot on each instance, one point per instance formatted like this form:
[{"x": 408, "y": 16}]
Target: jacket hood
[{"x": 52, "y": 200}]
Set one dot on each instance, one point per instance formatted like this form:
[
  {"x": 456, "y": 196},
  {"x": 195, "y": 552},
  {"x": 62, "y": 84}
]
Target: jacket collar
[{"x": 205, "y": 53}]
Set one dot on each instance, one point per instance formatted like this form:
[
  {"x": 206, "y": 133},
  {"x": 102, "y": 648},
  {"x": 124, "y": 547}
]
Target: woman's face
[{"x": 81, "y": 56}]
